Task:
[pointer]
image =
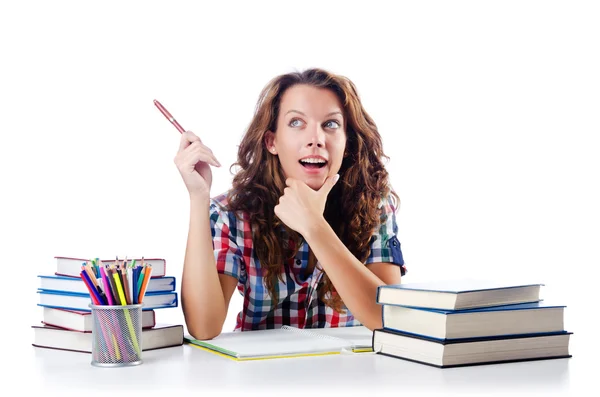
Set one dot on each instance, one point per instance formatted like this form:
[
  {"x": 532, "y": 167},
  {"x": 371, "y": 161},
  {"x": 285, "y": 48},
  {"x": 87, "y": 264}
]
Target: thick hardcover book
[
  {"x": 458, "y": 294},
  {"x": 76, "y": 284},
  {"x": 71, "y": 267},
  {"x": 76, "y": 320},
  {"x": 471, "y": 351},
  {"x": 71, "y": 301},
  {"x": 523, "y": 318},
  {"x": 161, "y": 336}
]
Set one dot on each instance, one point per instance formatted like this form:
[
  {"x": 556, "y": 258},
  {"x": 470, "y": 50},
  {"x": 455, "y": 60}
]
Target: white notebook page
[
  {"x": 289, "y": 341},
  {"x": 358, "y": 337}
]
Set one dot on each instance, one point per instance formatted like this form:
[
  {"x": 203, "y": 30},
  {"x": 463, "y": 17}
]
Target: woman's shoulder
[
  {"x": 219, "y": 205},
  {"x": 219, "y": 208},
  {"x": 220, "y": 201}
]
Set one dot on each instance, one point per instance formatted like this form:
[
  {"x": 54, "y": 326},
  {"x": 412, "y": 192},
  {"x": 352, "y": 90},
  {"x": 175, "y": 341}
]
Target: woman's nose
[{"x": 317, "y": 138}]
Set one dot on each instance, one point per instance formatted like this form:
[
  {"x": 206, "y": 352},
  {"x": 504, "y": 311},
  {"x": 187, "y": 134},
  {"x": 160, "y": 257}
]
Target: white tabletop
[{"x": 186, "y": 370}]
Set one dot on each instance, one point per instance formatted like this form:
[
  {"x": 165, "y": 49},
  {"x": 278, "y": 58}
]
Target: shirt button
[{"x": 298, "y": 262}]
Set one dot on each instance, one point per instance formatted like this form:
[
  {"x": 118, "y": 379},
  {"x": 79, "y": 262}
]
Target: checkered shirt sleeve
[
  {"x": 385, "y": 246},
  {"x": 228, "y": 255}
]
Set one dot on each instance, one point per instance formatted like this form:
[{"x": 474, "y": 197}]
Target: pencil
[
  {"x": 93, "y": 293},
  {"x": 90, "y": 272},
  {"x": 166, "y": 113},
  {"x": 130, "y": 284},
  {"x": 127, "y": 315},
  {"x": 126, "y": 287},
  {"x": 135, "y": 274},
  {"x": 119, "y": 288},
  {"x": 106, "y": 284},
  {"x": 96, "y": 301},
  {"x": 113, "y": 285},
  {"x": 145, "y": 284},
  {"x": 142, "y": 275},
  {"x": 117, "y": 352}
]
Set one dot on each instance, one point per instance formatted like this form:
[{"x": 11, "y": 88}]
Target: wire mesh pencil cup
[{"x": 116, "y": 335}]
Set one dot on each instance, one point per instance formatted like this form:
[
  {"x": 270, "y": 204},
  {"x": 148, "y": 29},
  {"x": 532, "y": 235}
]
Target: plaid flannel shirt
[{"x": 298, "y": 304}]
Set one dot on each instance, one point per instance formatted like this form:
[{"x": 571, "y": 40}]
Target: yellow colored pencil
[
  {"x": 117, "y": 352},
  {"x": 119, "y": 288},
  {"x": 127, "y": 315}
]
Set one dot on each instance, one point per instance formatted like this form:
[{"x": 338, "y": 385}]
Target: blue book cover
[
  {"x": 459, "y": 286},
  {"x": 81, "y": 301},
  {"x": 76, "y": 284}
]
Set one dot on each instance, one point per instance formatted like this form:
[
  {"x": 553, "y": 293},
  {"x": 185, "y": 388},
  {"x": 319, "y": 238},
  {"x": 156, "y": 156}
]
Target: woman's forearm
[
  {"x": 353, "y": 281},
  {"x": 202, "y": 297}
]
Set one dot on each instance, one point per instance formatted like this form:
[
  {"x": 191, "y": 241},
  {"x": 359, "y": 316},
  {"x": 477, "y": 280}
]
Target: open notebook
[{"x": 287, "y": 342}]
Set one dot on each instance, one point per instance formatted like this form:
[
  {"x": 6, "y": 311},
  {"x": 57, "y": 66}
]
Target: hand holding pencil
[{"x": 193, "y": 159}]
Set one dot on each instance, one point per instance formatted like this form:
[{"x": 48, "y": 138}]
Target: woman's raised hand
[{"x": 193, "y": 161}]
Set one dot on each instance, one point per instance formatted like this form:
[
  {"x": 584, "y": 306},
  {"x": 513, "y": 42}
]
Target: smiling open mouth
[{"x": 313, "y": 163}]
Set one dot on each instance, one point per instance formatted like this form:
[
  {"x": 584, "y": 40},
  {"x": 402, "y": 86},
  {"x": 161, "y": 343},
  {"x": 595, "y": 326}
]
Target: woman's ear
[{"x": 270, "y": 142}]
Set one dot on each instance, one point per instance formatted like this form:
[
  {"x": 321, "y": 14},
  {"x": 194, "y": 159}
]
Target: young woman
[{"x": 308, "y": 231}]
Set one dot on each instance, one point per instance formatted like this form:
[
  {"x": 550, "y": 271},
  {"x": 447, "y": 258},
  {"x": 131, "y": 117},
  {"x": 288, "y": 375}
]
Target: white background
[{"x": 487, "y": 109}]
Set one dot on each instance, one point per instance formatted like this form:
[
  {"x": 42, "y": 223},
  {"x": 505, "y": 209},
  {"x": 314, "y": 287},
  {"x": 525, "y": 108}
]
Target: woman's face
[{"x": 311, "y": 135}]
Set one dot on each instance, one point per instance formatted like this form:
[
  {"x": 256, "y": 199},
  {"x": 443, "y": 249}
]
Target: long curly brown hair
[{"x": 352, "y": 208}]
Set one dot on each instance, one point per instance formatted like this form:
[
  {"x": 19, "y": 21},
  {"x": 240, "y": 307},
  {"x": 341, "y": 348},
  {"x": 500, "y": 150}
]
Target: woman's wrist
[
  {"x": 315, "y": 229},
  {"x": 200, "y": 200}
]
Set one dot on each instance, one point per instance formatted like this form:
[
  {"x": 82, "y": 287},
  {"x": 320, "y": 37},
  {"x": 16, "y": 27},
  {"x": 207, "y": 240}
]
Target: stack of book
[
  {"x": 66, "y": 316},
  {"x": 459, "y": 323}
]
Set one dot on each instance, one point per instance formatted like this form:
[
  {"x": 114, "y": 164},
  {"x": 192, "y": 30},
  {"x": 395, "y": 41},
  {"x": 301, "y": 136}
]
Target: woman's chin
[{"x": 315, "y": 183}]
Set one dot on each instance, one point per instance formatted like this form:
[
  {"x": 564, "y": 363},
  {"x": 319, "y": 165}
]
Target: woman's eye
[
  {"x": 295, "y": 123},
  {"x": 332, "y": 124}
]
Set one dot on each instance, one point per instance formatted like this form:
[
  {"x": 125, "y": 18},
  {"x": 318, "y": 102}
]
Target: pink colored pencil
[
  {"x": 106, "y": 285},
  {"x": 166, "y": 113}
]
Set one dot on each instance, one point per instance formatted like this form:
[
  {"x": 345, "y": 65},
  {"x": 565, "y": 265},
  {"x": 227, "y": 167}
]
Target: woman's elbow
[{"x": 204, "y": 333}]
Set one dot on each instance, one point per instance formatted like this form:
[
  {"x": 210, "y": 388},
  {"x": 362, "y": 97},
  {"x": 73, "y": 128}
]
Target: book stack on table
[
  {"x": 459, "y": 323},
  {"x": 66, "y": 322}
]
